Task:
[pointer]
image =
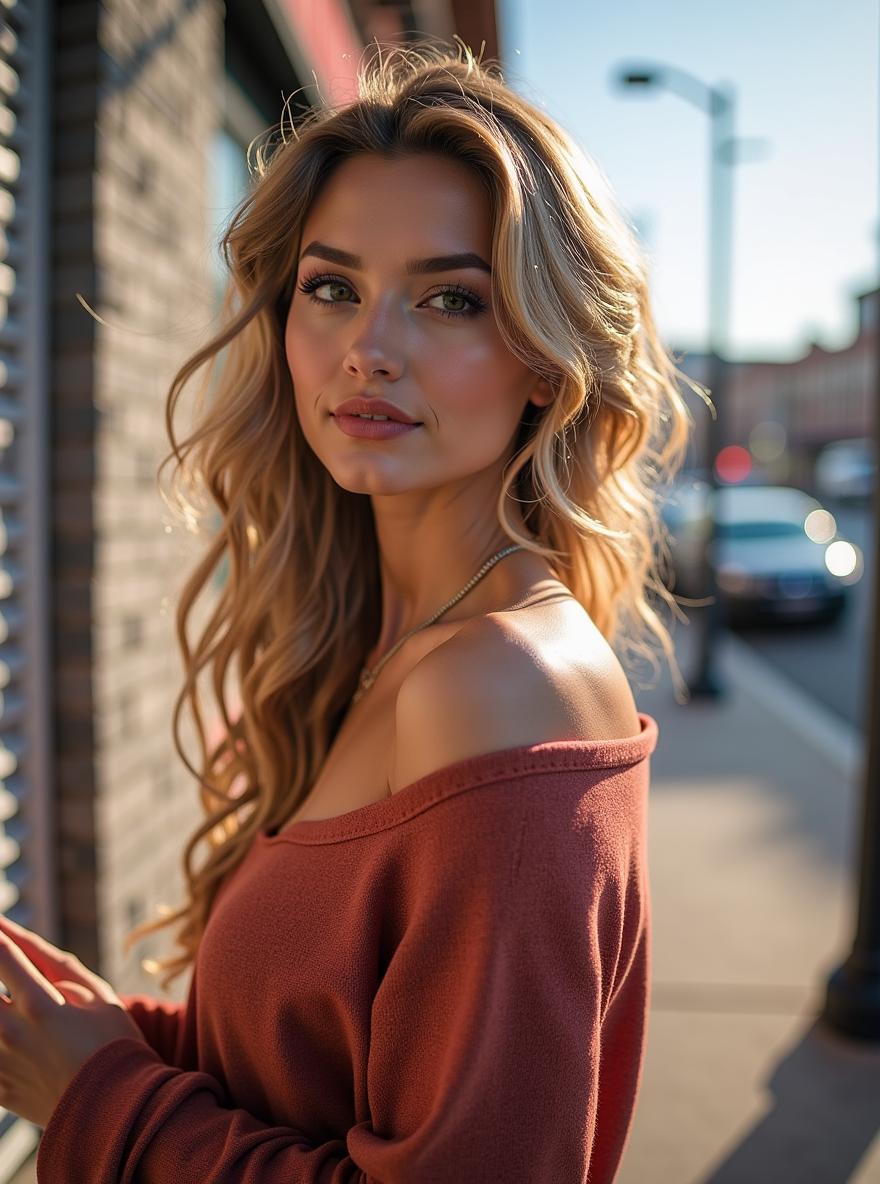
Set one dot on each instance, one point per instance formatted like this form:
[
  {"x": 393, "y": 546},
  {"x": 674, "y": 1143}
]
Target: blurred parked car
[
  {"x": 775, "y": 555},
  {"x": 846, "y": 469}
]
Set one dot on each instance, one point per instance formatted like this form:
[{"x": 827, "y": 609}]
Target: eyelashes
[{"x": 476, "y": 304}]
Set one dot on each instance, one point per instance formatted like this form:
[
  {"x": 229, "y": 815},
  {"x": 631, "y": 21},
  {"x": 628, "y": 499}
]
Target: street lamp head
[{"x": 638, "y": 78}]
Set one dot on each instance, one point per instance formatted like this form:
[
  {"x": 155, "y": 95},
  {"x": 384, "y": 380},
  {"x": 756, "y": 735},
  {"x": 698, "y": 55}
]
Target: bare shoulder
[{"x": 494, "y": 686}]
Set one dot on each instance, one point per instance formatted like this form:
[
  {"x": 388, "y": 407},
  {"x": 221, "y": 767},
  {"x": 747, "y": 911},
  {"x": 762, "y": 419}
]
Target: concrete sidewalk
[{"x": 754, "y": 806}]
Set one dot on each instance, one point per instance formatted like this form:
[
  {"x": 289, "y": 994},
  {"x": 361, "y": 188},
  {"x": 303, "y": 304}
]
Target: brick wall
[{"x": 136, "y": 107}]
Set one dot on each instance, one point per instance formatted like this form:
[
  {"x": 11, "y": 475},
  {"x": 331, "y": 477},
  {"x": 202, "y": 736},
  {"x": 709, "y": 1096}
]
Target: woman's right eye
[{"x": 309, "y": 286}]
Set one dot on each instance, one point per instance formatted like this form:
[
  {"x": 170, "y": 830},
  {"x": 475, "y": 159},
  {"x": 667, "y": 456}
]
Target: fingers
[
  {"x": 23, "y": 935},
  {"x": 23, "y": 980},
  {"x": 41, "y": 952},
  {"x": 52, "y": 962},
  {"x": 75, "y": 991},
  {"x": 46, "y": 957}
]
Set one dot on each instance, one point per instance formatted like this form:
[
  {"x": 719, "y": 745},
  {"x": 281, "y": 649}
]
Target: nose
[{"x": 373, "y": 351}]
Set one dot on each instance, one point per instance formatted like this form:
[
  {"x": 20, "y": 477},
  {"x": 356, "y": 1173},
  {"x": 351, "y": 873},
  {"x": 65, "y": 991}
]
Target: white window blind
[{"x": 26, "y": 852}]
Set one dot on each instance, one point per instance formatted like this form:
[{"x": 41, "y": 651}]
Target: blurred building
[
  {"x": 825, "y": 395},
  {"x": 124, "y": 129}
]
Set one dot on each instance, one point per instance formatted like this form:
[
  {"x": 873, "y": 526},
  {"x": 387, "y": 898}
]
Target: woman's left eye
[{"x": 469, "y": 303}]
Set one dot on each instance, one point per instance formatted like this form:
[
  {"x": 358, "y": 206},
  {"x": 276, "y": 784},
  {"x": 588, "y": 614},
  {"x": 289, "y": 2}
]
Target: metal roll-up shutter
[{"x": 26, "y": 851}]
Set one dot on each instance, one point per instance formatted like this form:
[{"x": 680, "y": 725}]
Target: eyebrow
[{"x": 413, "y": 266}]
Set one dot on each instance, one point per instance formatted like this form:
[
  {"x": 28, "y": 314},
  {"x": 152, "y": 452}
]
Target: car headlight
[
  {"x": 842, "y": 560},
  {"x": 736, "y": 580}
]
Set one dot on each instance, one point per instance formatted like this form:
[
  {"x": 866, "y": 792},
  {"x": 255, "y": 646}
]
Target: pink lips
[
  {"x": 373, "y": 429},
  {"x": 373, "y": 405}
]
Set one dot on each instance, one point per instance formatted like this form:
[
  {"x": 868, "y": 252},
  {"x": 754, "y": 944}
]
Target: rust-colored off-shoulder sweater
[{"x": 448, "y": 986}]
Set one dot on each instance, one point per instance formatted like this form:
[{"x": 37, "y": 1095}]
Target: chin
[{"x": 356, "y": 479}]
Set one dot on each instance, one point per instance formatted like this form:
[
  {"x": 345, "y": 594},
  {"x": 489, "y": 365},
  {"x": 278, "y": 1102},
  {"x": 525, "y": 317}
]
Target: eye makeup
[{"x": 476, "y": 304}]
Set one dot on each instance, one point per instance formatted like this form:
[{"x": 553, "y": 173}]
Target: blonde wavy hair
[{"x": 299, "y": 609}]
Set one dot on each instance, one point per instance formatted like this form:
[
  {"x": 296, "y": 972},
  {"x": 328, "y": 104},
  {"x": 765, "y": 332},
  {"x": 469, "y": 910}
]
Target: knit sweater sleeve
[
  {"x": 519, "y": 948},
  {"x": 160, "y": 1021}
]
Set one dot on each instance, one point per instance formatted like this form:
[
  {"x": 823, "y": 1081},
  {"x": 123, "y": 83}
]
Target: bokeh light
[
  {"x": 733, "y": 464},
  {"x": 820, "y": 526},
  {"x": 767, "y": 440},
  {"x": 844, "y": 560}
]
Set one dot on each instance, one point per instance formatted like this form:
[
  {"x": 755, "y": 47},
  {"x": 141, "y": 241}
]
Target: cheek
[
  {"x": 481, "y": 380},
  {"x": 304, "y": 354},
  {"x": 308, "y": 369}
]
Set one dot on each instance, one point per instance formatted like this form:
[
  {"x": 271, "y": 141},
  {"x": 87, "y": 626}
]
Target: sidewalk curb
[{"x": 837, "y": 740}]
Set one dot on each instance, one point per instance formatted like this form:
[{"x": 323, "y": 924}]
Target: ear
[{"x": 542, "y": 393}]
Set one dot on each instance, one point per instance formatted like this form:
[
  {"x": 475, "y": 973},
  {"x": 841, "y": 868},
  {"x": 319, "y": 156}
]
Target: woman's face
[{"x": 377, "y": 312}]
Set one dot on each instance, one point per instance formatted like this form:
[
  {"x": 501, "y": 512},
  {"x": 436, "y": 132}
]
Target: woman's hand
[{"x": 59, "y": 1014}]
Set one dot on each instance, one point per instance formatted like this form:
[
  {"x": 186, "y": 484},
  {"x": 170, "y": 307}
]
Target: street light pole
[
  {"x": 705, "y": 682},
  {"x": 852, "y": 992},
  {"x": 718, "y": 103}
]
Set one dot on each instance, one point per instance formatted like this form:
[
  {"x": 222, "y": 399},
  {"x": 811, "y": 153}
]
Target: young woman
[{"x": 420, "y": 940}]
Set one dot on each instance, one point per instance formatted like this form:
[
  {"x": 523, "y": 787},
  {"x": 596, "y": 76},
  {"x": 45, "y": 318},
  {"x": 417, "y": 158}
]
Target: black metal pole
[
  {"x": 852, "y": 997},
  {"x": 706, "y": 681}
]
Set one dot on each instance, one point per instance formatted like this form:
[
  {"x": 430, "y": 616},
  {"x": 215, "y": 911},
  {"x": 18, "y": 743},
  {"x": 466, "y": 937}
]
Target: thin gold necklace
[{"x": 368, "y": 675}]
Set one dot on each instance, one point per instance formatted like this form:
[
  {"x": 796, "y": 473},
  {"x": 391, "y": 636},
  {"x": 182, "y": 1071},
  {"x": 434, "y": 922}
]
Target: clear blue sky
[{"x": 806, "y": 217}]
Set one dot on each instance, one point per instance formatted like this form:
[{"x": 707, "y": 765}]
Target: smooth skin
[
  {"x": 436, "y": 353},
  {"x": 56, "y": 1013},
  {"x": 365, "y": 321}
]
